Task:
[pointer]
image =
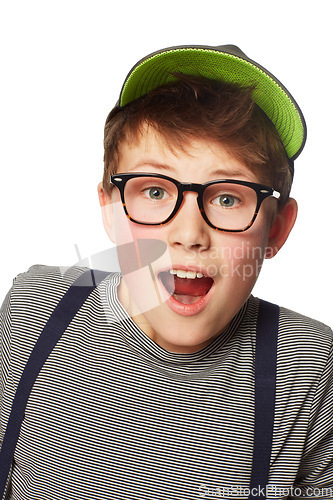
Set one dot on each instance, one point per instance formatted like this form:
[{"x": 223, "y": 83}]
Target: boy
[{"x": 164, "y": 382}]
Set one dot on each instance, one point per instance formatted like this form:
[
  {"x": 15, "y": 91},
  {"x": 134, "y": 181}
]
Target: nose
[{"x": 188, "y": 229}]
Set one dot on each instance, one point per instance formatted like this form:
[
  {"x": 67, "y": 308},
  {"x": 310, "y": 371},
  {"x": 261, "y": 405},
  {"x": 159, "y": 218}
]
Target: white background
[{"x": 62, "y": 66}]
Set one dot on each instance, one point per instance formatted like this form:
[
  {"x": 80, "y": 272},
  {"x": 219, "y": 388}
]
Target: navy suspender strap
[
  {"x": 62, "y": 315},
  {"x": 265, "y": 388},
  {"x": 64, "y": 312}
]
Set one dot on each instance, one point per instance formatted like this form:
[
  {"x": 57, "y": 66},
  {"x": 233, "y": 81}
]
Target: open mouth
[{"x": 187, "y": 287}]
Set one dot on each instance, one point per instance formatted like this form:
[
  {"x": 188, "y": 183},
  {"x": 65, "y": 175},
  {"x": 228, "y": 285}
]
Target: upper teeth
[{"x": 180, "y": 273}]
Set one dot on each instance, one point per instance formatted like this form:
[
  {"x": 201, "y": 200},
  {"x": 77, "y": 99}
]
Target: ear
[
  {"x": 282, "y": 225},
  {"x": 107, "y": 211}
]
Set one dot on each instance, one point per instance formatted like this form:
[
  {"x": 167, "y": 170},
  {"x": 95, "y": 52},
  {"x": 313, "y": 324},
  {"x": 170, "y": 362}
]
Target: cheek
[
  {"x": 238, "y": 257},
  {"x": 248, "y": 256},
  {"x": 141, "y": 249},
  {"x": 121, "y": 224},
  {"x": 139, "y": 231},
  {"x": 127, "y": 231}
]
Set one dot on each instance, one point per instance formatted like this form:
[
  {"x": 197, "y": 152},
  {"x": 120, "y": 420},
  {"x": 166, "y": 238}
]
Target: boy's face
[{"x": 202, "y": 308}]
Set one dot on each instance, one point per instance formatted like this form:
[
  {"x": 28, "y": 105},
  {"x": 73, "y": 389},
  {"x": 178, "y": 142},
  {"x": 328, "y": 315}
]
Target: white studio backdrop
[{"x": 63, "y": 64}]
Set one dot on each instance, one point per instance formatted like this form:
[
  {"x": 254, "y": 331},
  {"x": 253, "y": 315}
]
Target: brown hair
[{"x": 193, "y": 107}]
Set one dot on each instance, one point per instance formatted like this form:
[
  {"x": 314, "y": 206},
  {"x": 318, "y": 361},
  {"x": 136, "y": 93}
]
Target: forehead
[{"x": 194, "y": 159}]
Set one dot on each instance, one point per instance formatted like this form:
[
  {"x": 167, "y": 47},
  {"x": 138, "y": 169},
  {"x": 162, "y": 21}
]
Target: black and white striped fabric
[{"x": 114, "y": 416}]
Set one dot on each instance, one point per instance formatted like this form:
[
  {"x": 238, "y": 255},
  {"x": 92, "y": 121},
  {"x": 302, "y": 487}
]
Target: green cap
[{"x": 227, "y": 63}]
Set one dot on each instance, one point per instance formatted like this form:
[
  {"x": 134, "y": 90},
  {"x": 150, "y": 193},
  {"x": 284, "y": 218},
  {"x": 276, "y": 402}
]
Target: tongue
[{"x": 196, "y": 287}]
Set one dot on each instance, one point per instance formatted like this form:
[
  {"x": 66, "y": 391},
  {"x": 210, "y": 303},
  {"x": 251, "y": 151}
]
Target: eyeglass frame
[{"x": 262, "y": 191}]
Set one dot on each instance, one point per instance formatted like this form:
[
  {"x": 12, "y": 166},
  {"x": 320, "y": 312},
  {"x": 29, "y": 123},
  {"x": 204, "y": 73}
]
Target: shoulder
[
  {"x": 34, "y": 294},
  {"x": 27, "y": 307},
  {"x": 297, "y": 327},
  {"x": 291, "y": 319},
  {"x": 40, "y": 288},
  {"x": 41, "y": 276},
  {"x": 293, "y": 322},
  {"x": 304, "y": 342}
]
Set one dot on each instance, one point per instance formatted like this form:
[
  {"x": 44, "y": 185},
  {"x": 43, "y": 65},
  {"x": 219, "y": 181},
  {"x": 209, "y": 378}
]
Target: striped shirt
[{"x": 113, "y": 416}]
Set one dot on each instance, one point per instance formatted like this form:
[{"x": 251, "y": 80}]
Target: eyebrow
[
  {"x": 222, "y": 174},
  {"x": 216, "y": 174},
  {"x": 154, "y": 164}
]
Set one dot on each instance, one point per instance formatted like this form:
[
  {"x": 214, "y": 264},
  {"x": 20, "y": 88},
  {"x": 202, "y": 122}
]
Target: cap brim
[{"x": 226, "y": 63}]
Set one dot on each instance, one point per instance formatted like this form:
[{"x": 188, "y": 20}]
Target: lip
[{"x": 176, "y": 306}]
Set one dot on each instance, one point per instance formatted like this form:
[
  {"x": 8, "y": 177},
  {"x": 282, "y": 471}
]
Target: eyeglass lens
[{"x": 151, "y": 200}]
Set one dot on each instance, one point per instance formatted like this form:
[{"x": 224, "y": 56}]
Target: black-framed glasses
[{"x": 226, "y": 205}]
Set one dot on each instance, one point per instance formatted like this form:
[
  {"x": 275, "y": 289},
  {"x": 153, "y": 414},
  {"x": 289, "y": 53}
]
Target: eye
[
  {"x": 156, "y": 193},
  {"x": 226, "y": 201}
]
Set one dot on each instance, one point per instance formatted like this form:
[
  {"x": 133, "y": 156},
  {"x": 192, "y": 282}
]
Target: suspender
[
  {"x": 265, "y": 385},
  {"x": 64, "y": 312}
]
